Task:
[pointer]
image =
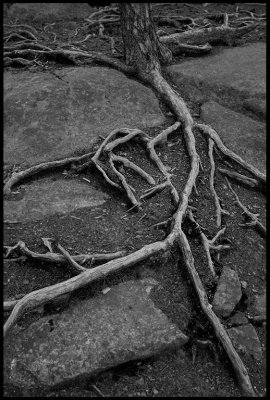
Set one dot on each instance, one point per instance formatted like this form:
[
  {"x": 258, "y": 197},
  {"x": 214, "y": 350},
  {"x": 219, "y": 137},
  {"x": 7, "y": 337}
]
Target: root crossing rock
[
  {"x": 246, "y": 341},
  {"x": 234, "y": 74},
  {"x": 47, "y": 197},
  {"x": 51, "y": 116},
  {"x": 90, "y": 336},
  {"x": 238, "y": 132}
]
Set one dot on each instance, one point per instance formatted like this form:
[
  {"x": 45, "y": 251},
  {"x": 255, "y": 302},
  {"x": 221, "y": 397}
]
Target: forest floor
[{"x": 178, "y": 373}]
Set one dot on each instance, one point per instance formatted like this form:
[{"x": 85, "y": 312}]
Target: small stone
[
  {"x": 260, "y": 304},
  {"x": 244, "y": 284},
  {"x": 237, "y": 319},
  {"x": 228, "y": 293},
  {"x": 246, "y": 340},
  {"x": 106, "y": 290},
  {"x": 140, "y": 381}
]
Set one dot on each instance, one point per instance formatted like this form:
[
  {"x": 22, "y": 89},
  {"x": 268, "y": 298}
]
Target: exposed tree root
[
  {"x": 18, "y": 61},
  {"x": 51, "y": 257},
  {"x": 243, "y": 180},
  {"x": 105, "y": 161},
  {"x": 77, "y": 267},
  {"x": 21, "y": 34},
  {"x": 209, "y": 244},
  {"x": 18, "y": 177},
  {"x": 254, "y": 222},
  {"x": 72, "y": 55},
  {"x": 219, "y": 210},
  {"x": 21, "y": 26},
  {"x": 47, "y": 294},
  {"x": 212, "y": 35},
  {"x": 134, "y": 167},
  {"x": 176, "y": 236},
  {"x": 220, "y": 331},
  {"x": 210, "y": 132},
  {"x": 192, "y": 50},
  {"x": 27, "y": 45}
]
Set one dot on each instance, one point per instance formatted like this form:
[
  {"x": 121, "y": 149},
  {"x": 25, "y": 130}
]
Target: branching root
[
  {"x": 209, "y": 245},
  {"x": 219, "y": 210},
  {"x": 254, "y": 222}
]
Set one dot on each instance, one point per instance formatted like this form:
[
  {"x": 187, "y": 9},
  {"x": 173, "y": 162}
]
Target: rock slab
[
  {"x": 259, "y": 306},
  {"x": 241, "y": 134},
  {"x": 246, "y": 340},
  {"x": 47, "y": 197},
  {"x": 237, "y": 72},
  {"x": 52, "y": 116},
  {"x": 49, "y": 12},
  {"x": 228, "y": 293},
  {"x": 237, "y": 319},
  {"x": 90, "y": 336}
]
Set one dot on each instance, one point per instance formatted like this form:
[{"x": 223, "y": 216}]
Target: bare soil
[{"x": 110, "y": 228}]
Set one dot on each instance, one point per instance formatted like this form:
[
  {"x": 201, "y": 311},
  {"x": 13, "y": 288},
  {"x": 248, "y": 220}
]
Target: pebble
[
  {"x": 244, "y": 284},
  {"x": 140, "y": 381}
]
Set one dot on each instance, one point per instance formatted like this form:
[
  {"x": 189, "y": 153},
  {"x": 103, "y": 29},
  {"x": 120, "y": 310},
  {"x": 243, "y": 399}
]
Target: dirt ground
[{"x": 110, "y": 227}]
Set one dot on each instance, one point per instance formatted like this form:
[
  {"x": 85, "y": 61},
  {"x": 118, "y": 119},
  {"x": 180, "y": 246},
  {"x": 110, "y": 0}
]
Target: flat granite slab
[
  {"x": 47, "y": 197},
  {"x": 48, "y": 12},
  {"x": 236, "y": 72},
  {"x": 88, "y": 337},
  {"x": 242, "y": 134},
  {"x": 50, "y": 116}
]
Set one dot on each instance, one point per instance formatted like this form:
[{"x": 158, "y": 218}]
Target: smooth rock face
[
  {"x": 48, "y": 117},
  {"x": 43, "y": 12},
  {"x": 90, "y": 336},
  {"x": 239, "y": 70},
  {"x": 241, "y": 134},
  {"x": 228, "y": 293},
  {"x": 246, "y": 340},
  {"x": 46, "y": 197}
]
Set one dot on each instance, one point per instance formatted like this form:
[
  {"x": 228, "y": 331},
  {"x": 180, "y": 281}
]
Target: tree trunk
[{"x": 142, "y": 47}]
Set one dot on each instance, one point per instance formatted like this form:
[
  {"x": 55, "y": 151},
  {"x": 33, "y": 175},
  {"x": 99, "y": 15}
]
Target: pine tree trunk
[{"x": 142, "y": 47}]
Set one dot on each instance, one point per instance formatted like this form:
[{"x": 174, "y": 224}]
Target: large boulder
[
  {"x": 242, "y": 134},
  {"x": 246, "y": 341},
  {"x": 49, "y": 12},
  {"x": 234, "y": 75},
  {"x": 47, "y": 197},
  {"x": 50, "y": 116},
  {"x": 88, "y": 337}
]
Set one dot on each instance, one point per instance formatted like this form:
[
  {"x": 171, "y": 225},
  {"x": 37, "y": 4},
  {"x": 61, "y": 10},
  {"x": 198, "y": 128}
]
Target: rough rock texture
[
  {"x": 49, "y": 117},
  {"x": 257, "y": 106},
  {"x": 228, "y": 293},
  {"x": 47, "y": 197},
  {"x": 48, "y": 12},
  {"x": 237, "y": 319},
  {"x": 90, "y": 336},
  {"x": 259, "y": 306},
  {"x": 236, "y": 73},
  {"x": 239, "y": 133},
  {"x": 246, "y": 341}
]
